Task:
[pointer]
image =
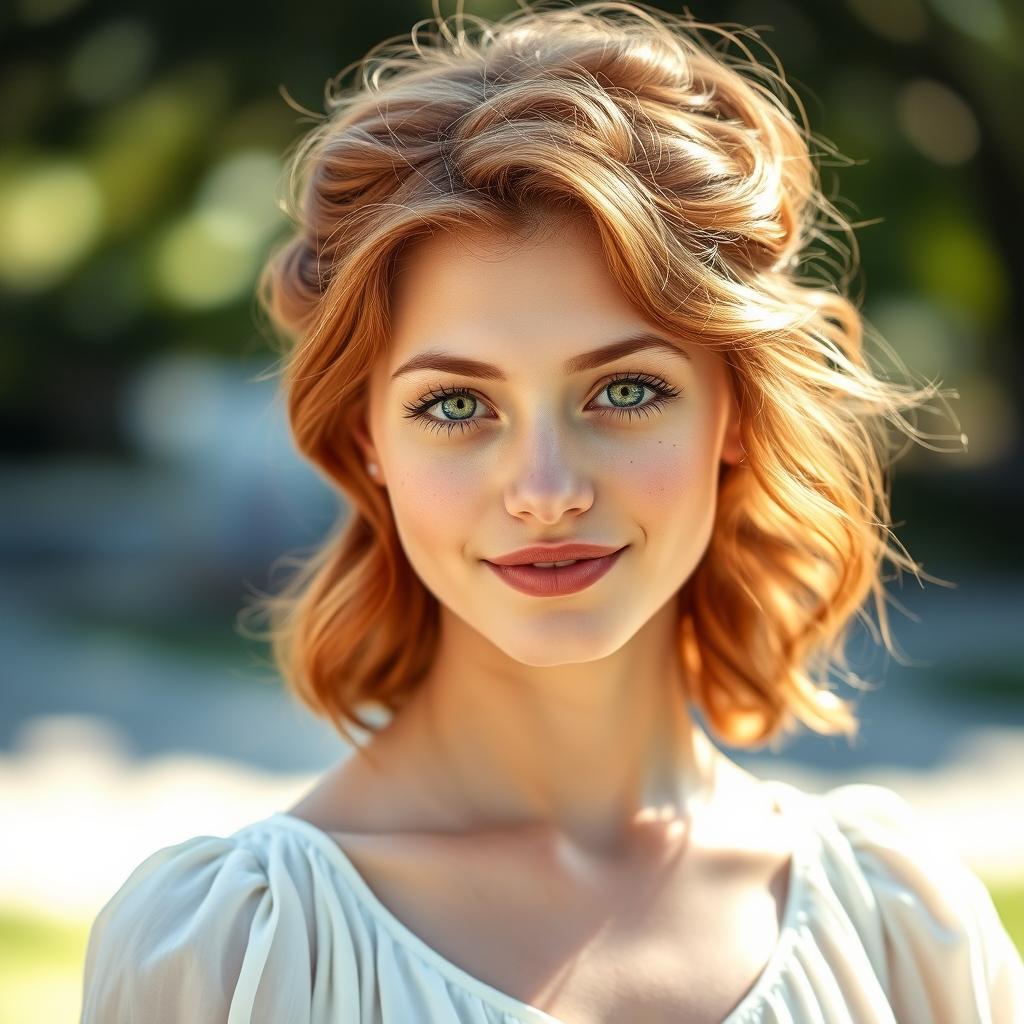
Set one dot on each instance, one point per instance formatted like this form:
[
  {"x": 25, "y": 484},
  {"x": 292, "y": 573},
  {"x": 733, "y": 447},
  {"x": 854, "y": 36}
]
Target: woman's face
[{"x": 536, "y": 450}]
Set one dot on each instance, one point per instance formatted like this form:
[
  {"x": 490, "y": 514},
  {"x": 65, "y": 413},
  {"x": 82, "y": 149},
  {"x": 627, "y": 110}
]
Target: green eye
[{"x": 458, "y": 404}]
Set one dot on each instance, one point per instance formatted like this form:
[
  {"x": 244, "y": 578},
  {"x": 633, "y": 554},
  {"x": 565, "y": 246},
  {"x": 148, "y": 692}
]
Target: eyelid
[
  {"x": 664, "y": 392},
  {"x": 438, "y": 392}
]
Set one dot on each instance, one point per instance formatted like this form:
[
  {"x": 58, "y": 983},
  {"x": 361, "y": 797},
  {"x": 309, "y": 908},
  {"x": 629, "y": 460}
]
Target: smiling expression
[{"x": 524, "y": 399}]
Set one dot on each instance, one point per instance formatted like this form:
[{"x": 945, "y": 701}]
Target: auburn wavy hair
[{"x": 684, "y": 151}]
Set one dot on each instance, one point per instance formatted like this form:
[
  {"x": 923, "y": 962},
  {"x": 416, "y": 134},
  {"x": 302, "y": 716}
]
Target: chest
[{"x": 682, "y": 939}]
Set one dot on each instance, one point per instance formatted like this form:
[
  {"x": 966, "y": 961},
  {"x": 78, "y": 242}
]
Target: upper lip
[{"x": 553, "y": 553}]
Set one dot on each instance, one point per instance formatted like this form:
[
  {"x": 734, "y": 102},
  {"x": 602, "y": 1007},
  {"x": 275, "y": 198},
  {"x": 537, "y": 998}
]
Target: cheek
[
  {"x": 672, "y": 475},
  {"x": 434, "y": 499}
]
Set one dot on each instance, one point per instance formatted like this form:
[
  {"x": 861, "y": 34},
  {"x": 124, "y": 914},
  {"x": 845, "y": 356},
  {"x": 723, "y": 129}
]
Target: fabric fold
[{"x": 275, "y": 925}]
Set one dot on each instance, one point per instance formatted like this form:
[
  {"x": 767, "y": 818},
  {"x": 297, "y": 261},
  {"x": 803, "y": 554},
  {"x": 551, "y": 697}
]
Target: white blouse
[{"x": 274, "y": 924}]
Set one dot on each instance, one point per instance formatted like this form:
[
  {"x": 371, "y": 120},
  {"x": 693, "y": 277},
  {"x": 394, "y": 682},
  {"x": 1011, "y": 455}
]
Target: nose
[{"x": 550, "y": 481}]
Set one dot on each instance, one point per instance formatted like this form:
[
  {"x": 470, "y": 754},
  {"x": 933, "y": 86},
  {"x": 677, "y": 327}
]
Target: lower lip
[{"x": 557, "y": 581}]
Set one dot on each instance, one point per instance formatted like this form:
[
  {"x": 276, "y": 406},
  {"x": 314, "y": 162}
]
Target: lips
[
  {"x": 554, "y": 553},
  {"x": 557, "y": 581}
]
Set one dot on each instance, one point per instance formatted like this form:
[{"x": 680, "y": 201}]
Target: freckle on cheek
[{"x": 436, "y": 492}]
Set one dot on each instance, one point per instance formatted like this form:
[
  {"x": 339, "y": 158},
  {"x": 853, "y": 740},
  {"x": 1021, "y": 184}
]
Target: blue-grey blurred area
[
  {"x": 122, "y": 575},
  {"x": 148, "y": 481}
]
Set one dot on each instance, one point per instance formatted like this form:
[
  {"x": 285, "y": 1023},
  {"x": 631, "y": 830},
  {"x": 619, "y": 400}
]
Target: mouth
[{"x": 556, "y": 580}]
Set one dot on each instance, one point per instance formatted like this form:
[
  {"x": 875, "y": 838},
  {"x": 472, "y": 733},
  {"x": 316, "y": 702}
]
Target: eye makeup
[{"x": 662, "y": 390}]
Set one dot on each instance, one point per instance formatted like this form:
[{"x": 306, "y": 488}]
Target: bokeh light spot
[
  {"x": 41, "y": 12},
  {"x": 927, "y": 337},
  {"x": 245, "y": 183},
  {"x": 51, "y": 213},
  {"x": 144, "y": 146},
  {"x": 954, "y": 262},
  {"x": 110, "y": 61},
  {"x": 901, "y": 21},
  {"x": 989, "y": 419},
  {"x": 983, "y": 19},
  {"x": 206, "y": 259},
  {"x": 937, "y": 122}
]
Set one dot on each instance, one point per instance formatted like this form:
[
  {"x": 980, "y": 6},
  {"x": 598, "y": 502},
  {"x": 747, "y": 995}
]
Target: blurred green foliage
[
  {"x": 993, "y": 683},
  {"x": 41, "y": 963},
  {"x": 142, "y": 146}
]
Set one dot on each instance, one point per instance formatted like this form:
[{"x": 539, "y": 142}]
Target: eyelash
[{"x": 664, "y": 392}]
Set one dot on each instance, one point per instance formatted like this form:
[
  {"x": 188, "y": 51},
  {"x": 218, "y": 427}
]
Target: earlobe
[
  {"x": 733, "y": 453},
  {"x": 372, "y": 463},
  {"x": 366, "y": 448},
  {"x": 373, "y": 467}
]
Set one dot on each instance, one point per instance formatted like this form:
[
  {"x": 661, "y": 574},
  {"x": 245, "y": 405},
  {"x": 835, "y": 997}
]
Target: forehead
[
  {"x": 537, "y": 229},
  {"x": 552, "y": 282}
]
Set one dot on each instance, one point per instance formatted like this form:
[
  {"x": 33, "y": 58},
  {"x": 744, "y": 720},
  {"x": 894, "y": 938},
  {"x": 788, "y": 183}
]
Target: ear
[
  {"x": 360, "y": 434},
  {"x": 732, "y": 440}
]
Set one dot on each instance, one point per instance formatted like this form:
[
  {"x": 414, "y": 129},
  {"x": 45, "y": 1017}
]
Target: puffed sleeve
[
  {"x": 942, "y": 950},
  {"x": 199, "y": 932}
]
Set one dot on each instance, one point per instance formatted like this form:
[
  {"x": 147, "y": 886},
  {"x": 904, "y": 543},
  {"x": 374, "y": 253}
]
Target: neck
[{"x": 595, "y": 753}]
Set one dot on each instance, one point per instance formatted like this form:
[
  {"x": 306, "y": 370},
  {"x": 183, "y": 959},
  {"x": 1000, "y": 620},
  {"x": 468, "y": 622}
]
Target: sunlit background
[{"x": 149, "y": 481}]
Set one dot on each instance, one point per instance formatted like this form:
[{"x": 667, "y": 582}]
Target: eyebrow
[{"x": 434, "y": 359}]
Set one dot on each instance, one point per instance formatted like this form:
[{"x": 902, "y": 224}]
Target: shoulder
[
  {"x": 210, "y": 927},
  {"x": 885, "y": 842},
  {"x": 925, "y": 919}
]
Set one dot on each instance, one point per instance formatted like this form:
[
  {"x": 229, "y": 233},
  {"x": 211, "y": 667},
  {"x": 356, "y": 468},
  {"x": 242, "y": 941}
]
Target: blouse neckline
[{"x": 788, "y": 928}]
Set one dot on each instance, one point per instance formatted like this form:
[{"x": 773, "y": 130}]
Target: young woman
[{"x": 613, "y": 455}]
